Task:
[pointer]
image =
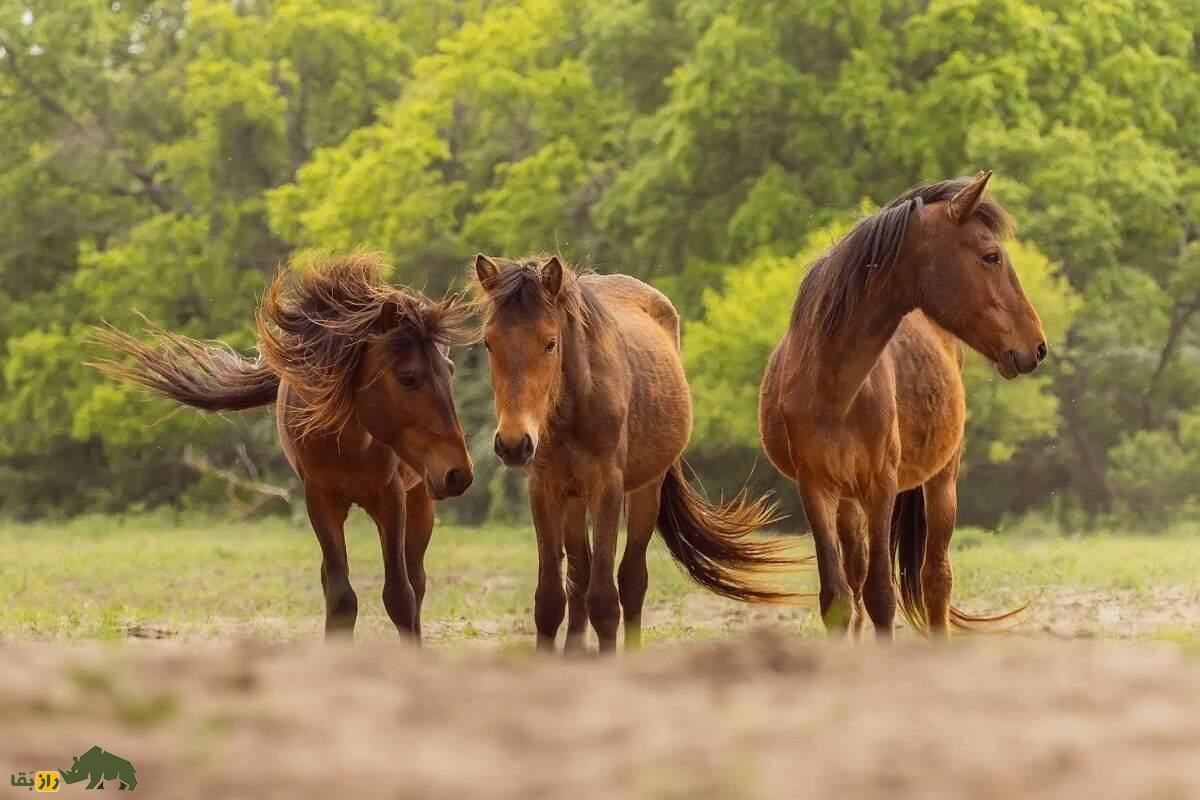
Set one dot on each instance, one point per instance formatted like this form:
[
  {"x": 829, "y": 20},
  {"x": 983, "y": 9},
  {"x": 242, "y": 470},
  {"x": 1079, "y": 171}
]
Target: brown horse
[
  {"x": 863, "y": 398},
  {"x": 361, "y": 381},
  {"x": 592, "y": 401}
]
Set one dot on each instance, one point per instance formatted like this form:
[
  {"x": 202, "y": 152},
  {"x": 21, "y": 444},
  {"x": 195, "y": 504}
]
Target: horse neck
[
  {"x": 575, "y": 377},
  {"x": 846, "y": 357}
]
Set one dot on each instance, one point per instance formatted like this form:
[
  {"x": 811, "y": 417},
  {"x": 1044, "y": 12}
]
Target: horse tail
[
  {"x": 909, "y": 534},
  {"x": 204, "y": 375},
  {"x": 713, "y": 543}
]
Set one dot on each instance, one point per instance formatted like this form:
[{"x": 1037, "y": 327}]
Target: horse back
[{"x": 626, "y": 296}]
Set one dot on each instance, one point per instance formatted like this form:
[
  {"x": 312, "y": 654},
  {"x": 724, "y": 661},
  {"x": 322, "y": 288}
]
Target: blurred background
[{"x": 164, "y": 157}]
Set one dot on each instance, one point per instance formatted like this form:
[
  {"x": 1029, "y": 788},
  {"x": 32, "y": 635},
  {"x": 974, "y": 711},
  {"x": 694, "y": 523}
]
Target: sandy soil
[{"x": 760, "y": 717}]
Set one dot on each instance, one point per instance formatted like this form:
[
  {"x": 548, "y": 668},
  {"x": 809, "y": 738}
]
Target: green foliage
[
  {"x": 1155, "y": 473},
  {"x": 726, "y": 351},
  {"x": 164, "y": 156}
]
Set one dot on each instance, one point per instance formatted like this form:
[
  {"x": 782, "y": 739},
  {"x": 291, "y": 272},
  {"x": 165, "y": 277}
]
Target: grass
[{"x": 106, "y": 578}]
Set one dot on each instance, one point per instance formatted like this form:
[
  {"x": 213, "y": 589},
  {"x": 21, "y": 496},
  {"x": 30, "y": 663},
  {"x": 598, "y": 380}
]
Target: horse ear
[
  {"x": 486, "y": 270},
  {"x": 389, "y": 317},
  {"x": 968, "y": 198},
  {"x": 552, "y": 275}
]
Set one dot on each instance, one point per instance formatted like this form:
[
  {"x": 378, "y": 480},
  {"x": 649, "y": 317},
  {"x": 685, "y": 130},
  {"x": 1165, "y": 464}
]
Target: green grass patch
[{"x": 150, "y": 577}]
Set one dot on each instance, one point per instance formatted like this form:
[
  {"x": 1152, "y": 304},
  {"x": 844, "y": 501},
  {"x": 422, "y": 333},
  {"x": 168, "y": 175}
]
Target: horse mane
[
  {"x": 837, "y": 280},
  {"x": 314, "y": 326},
  {"x": 516, "y": 291}
]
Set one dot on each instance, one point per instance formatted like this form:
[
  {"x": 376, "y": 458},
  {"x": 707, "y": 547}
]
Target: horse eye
[
  {"x": 992, "y": 258},
  {"x": 550, "y": 345},
  {"x": 408, "y": 381}
]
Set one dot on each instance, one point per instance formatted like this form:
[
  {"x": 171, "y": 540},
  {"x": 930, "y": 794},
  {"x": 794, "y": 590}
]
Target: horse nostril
[
  {"x": 457, "y": 481},
  {"x": 1041, "y": 351},
  {"x": 498, "y": 446},
  {"x": 526, "y": 447}
]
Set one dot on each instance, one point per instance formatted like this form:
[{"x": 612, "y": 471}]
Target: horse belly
[{"x": 930, "y": 407}]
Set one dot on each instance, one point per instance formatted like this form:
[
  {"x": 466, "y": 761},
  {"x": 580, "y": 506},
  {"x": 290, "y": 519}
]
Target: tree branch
[
  {"x": 153, "y": 190},
  {"x": 233, "y": 481},
  {"x": 1185, "y": 308}
]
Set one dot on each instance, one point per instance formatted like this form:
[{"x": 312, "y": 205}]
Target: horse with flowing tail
[
  {"x": 592, "y": 402},
  {"x": 862, "y": 402},
  {"x": 360, "y": 376}
]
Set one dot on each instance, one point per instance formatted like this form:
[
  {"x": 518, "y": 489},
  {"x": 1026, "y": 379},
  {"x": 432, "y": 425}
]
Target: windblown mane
[
  {"x": 314, "y": 328},
  {"x": 835, "y": 282},
  {"x": 517, "y": 291}
]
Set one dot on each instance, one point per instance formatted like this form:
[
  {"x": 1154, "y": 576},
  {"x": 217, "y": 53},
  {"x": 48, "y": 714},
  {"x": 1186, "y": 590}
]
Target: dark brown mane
[
  {"x": 517, "y": 291},
  {"x": 834, "y": 283},
  {"x": 314, "y": 327}
]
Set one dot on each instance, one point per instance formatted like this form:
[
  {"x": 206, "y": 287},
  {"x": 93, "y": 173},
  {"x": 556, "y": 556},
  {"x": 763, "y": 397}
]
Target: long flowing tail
[
  {"x": 713, "y": 543},
  {"x": 204, "y": 375},
  {"x": 909, "y": 533}
]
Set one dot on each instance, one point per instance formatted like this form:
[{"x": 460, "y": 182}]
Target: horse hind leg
[
  {"x": 327, "y": 512},
  {"x": 579, "y": 564},
  {"x": 851, "y": 526},
  {"x": 937, "y": 576},
  {"x": 632, "y": 577}
]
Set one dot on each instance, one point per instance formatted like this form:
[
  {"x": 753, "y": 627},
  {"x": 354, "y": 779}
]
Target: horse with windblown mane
[
  {"x": 360, "y": 377},
  {"x": 862, "y": 402}
]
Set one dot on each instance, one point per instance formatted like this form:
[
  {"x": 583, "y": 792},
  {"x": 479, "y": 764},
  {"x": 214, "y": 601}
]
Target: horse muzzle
[
  {"x": 452, "y": 484},
  {"x": 517, "y": 453},
  {"x": 1011, "y": 363}
]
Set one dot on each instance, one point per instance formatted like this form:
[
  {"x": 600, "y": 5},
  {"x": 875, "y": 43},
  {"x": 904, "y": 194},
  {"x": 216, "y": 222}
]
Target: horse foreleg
[
  {"x": 549, "y": 599},
  {"x": 852, "y": 537},
  {"x": 937, "y": 576},
  {"x": 632, "y": 579},
  {"x": 579, "y": 558},
  {"x": 388, "y": 512},
  {"x": 603, "y": 602},
  {"x": 327, "y": 513},
  {"x": 879, "y": 592},
  {"x": 418, "y": 529},
  {"x": 835, "y": 596}
]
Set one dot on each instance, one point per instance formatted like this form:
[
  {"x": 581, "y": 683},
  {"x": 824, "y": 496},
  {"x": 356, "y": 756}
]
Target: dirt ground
[{"x": 759, "y": 717}]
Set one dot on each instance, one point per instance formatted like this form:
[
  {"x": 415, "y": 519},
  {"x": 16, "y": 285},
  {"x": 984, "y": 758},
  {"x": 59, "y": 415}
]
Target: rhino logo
[{"x": 98, "y": 766}]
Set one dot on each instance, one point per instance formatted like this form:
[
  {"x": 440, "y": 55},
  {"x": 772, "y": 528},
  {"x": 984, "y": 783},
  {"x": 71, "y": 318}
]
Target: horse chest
[
  {"x": 931, "y": 413},
  {"x": 355, "y": 470}
]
